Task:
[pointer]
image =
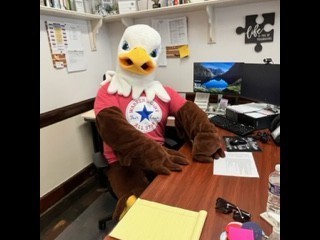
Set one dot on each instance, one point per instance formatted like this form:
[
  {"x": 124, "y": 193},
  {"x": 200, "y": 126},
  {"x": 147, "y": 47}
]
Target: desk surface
[{"x": 196, "y": 188}]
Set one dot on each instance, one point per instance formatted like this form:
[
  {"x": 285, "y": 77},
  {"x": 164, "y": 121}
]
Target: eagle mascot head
[{"x": 137, "y": 60}]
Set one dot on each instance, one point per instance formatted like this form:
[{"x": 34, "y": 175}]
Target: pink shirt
[{"x": 149, "y": 118}]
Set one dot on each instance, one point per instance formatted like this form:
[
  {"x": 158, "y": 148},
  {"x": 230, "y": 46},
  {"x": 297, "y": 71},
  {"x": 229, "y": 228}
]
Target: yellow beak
[{"x": 137, "y": 61}]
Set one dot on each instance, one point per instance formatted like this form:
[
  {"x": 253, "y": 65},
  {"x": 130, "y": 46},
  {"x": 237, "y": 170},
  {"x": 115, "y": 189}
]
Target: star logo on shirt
[{"x": 144, "y": 113}]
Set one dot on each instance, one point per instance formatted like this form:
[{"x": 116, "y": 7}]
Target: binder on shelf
[{"x": 147, "y": 220}]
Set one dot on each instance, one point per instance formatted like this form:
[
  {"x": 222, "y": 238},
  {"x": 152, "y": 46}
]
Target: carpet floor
[{"x": 85, "y": 227}]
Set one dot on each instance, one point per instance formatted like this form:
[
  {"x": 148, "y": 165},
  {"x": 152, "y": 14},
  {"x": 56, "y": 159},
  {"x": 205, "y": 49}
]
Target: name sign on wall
[{"x": 255, "y": 32}]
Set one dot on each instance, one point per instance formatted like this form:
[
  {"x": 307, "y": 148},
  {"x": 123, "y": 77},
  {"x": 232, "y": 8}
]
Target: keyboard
[{"x": 237, "y": 128}]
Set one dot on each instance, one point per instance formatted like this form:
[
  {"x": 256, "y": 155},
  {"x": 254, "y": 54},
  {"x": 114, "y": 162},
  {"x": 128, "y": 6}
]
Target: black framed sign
[{"x": 258, "y": 33}]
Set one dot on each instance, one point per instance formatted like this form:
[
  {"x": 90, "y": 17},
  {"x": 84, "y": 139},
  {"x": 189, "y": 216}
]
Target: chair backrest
[
  {"x": 99, "y": 160},
  {"x": 101, "y": 163}
]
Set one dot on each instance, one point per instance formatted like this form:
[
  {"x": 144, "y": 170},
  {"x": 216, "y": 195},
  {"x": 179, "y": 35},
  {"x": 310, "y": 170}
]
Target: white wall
[
  {"x": 229, "y": 45},
  {"x": 66, "y": 146},
  {"x": 65, "y": 149}
]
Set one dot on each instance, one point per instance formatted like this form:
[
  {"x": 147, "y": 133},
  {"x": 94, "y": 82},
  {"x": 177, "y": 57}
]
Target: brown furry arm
[
  {"x": 193, "y": 124},
  {"x": 132, "y": 146}
]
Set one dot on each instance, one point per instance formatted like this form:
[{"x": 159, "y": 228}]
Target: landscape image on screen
[{"x": 218, "y": 77}]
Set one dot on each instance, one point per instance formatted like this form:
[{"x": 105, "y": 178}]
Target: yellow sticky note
[{"x": 184, "y": 51}]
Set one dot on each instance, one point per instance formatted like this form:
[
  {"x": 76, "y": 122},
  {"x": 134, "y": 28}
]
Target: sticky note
[
  {"x": 236, "y": 233},
  {"x": 184, "y": 51}
]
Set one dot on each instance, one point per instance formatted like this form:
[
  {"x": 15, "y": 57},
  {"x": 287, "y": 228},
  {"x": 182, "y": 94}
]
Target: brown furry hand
[
  {"x": 206, "y": 147},
  {"x": 176, "y": 157},
  {"x": 193, "y": 124},
  {"x": 161, "y": 160}
]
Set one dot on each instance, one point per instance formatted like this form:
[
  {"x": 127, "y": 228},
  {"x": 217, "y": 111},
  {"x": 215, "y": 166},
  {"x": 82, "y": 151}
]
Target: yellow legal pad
[{"x": 148, "y": 220}]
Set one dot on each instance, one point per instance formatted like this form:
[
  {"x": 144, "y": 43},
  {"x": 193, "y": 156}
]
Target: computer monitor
[
  {"x": 218, "y": 77},
  {"x": 261, "y": 83}
]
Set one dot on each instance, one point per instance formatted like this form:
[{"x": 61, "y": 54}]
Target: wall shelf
[
  {"x": 67, "y": 13},
  {"x": 129, "y": 18},
  {"x": 188, "y": 7}
]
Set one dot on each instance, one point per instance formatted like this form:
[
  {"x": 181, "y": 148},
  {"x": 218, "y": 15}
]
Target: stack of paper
[{"x": 148, "y": 220}]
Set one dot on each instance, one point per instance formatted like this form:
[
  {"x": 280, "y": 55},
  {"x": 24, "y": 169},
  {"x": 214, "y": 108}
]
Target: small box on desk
[{"x": 254, "y": 114}]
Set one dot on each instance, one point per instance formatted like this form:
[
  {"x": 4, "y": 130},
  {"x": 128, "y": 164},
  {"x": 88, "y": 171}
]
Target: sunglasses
[{"x": 227, "y": 207}]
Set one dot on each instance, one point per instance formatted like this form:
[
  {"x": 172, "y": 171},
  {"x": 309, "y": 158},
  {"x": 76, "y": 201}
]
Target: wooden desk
[{"x": 196, "y": 188}]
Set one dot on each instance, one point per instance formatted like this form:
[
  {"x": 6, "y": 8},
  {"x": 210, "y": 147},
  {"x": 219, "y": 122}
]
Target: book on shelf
[
  {"x": 147, "y": 220},
  {"x": 60, "y": 4}
]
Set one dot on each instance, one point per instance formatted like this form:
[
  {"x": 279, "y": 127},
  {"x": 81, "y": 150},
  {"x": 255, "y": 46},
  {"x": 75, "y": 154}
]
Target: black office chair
[{"x": 101, "y": 164}]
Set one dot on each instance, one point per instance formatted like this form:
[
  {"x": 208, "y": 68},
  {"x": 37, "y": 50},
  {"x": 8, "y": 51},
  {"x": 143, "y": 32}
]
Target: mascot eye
[
  {"x": 154, "y": 53},
  {"x": 125, "y": 46}
]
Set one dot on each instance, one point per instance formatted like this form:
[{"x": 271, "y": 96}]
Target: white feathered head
[
  {"x": 137, "y": 58},
  {"x": 139, "y": 50}
]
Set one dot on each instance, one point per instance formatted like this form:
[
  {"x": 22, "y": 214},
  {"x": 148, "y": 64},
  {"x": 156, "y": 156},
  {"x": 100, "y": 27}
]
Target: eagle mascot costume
[{"x": 131, "y": 109}]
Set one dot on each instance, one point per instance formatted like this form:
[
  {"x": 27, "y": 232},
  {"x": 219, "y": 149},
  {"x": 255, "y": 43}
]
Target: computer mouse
[{"x": 237, "y": 141}]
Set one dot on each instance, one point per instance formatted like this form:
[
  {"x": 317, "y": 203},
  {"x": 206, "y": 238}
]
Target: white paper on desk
[{"x": 239, "y": 164}]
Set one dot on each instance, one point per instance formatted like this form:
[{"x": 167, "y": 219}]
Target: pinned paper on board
[
  {"x": 58, "y": 43},
  {"x": 76, "y": 60},
  {"x": 66, "y": 46},
  {"x": 174, "y": 34}
]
